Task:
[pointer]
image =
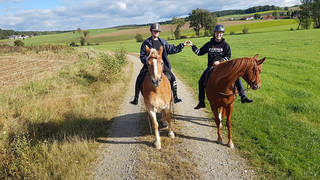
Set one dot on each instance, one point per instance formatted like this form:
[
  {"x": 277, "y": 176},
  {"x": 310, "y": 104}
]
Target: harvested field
[{"x": 18, "y": 67}]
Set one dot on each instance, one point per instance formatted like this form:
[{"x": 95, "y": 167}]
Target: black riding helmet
[
  {"x": 155, "y": 27},
  {"x": 219, "y": 27}
]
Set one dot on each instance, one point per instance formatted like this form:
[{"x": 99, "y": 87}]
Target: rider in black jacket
[
  {"x": 218, "y": 50},
  {"x": 155, "y": 42}
]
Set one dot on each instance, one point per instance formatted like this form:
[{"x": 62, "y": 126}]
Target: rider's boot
[
  {"x": 175, "y": 96},
  {"x": 201, "y": 104},
  {"x": 245, "y": 99}
]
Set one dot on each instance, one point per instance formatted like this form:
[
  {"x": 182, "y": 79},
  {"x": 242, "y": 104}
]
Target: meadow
[{"x": 279, "y": 133}]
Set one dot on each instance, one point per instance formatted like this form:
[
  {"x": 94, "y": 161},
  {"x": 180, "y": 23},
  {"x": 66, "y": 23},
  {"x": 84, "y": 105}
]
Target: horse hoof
[
  {"x": 231, "y": 145},
  {"x": 171, "y": 134},
  {"x": 220, "y": 126},
  {"x": 219, "y": 140},
  {"x": 157, "y": 145}
]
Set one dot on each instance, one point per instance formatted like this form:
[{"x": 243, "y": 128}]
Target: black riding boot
[
  {"x": 135, "y": 99},
  {"x": 174, "y": 92}
]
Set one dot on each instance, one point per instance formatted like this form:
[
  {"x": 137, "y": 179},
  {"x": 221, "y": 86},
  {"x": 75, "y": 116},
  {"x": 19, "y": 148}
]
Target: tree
[
  {"x": 139, "y": 37},
  {"x": 275, "y": 14},
  {"x": 304, "y": 15},
  {"x": 257, "y": 16},
  {"x": 209, "y": 23},
  {"x": 316, "y": 13},
  {"x": 200, "y": 18},
  {"x": 179, "y": 23},
  {"x": 195, "y": 20},
  {"x": 79, "y": 30}
]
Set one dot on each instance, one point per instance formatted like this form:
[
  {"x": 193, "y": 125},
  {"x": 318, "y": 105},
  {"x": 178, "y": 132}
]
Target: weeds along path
[{"x": 128, "y": 152}]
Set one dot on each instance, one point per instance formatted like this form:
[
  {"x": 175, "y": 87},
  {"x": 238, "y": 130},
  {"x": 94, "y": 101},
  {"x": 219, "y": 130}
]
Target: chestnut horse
[
  {"x": 156, "y": 91},
  {"x": 220, "y": 90}
]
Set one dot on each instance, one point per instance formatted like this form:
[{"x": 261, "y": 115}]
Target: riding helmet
[
  {"x": 219, "y": 27},
  {"x": 155, "y": 27}
]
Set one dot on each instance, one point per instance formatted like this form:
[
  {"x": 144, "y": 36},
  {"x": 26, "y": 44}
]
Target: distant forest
[
  {"x": 5, "y": 34},
  {"x": 247, "y": 11}
]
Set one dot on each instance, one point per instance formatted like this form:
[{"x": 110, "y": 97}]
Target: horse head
[
  {"x": 252, "y": 75},
  {"x": 155, "y": 65}
]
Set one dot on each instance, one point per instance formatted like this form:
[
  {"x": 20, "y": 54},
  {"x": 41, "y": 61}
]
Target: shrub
[
  {"x": 18, "y": 43},
  {"x": 139, "y": 37},
  {"x": 82, "y": 41},
  {"x": 245, "y": 30},
  {"x": 73, "y": 44},
  {"x": 232, "y": 33},
  {"x": 183, "y": 37},
  {"x": 291, "y": 29}
]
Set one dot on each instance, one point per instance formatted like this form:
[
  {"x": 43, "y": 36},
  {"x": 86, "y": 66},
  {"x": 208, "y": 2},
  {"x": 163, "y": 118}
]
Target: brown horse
[
  {"x": 156, "y": 91},
  {"x": 220, "y": 91}
]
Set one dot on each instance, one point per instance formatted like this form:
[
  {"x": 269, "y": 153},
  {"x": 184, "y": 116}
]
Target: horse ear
[
  {"x": 261, "y": 61},
  {"x": 160, "y": 50},
  {"x": 147, "y": 49},
  {"x": 256, "y": 56}
]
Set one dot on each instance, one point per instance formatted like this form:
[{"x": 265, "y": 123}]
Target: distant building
[
  {"x": 250, "y": 18},
  {"x": 19, "y": 37}
]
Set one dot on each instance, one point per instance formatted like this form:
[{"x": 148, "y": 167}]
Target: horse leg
[
  {"x": 153, "y": 116},
  {"x": 218, "y": 122},
  {"x": 167, "y": 114},
  {"x": 229, "y": 114},
  {"x": 222, "y": 111}
]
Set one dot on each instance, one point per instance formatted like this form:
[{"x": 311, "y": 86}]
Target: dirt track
[{"x": 128, "y": 152}]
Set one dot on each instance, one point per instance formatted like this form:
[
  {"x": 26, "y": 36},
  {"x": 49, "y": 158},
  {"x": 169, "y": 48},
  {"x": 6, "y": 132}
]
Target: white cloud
[
  {"x": 100, "y": 13},
  {"x": 5, "y": 1}
]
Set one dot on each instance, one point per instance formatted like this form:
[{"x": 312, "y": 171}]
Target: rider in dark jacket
[
  {"x": 218, "y": 50},
  {"x": 155, "y": 42}
]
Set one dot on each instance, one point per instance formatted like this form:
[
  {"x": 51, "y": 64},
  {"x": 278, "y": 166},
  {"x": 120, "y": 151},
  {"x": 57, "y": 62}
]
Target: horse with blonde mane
[
  {"x": 220, "y": 90},
  {"x": 156, "y": 91}
]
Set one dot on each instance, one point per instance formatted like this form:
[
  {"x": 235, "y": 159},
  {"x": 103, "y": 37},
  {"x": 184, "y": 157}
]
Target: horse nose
[
  {"x": 256, "y": 86},
  {"x": 156, "y": 83}
]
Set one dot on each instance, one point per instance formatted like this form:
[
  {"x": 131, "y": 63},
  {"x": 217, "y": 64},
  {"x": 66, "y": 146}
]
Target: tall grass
[{"x": 48, "y": 127}]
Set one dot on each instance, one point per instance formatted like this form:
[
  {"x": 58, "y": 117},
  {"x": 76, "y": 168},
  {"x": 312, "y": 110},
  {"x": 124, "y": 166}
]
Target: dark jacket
[
  {"x": 217, "y": 51},
  {"x": 167, "y": 49}
]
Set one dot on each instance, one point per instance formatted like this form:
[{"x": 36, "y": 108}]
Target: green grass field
[{"x": 280, "y": 132}]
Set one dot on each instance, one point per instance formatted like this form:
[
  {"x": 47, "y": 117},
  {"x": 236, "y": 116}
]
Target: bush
[
  {"x": 245, "y": 30},
  {"x": 232, "y": 33},
  {"x": 18, "y": 43},
  {"x": 291, "y": 29},
  {"x": 82, "y": 41},
  {"x": 139, "y": 37},
  {"x": 73, "y": 44}
]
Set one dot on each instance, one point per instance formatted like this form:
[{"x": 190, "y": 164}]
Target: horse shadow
[
  {"x": 193, "y": 119},
  {"x": 99, "y": 128}
]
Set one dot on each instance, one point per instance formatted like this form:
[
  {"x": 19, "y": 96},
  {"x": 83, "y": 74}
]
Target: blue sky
[{"x": 43, "y": 15}]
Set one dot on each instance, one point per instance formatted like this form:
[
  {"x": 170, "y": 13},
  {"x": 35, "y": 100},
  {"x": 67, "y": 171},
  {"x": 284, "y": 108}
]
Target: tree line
[
  {"x": 5, "y": 34},
  {"x": 254, "y": 9}
]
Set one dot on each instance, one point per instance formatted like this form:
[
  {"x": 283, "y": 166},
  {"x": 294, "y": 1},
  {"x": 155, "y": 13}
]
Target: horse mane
[
  {"x": 226, "y": 68},
  {"x": 153, "y": 53}
]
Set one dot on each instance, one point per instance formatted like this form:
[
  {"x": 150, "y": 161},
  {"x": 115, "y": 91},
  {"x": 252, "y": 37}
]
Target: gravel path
[{"x": 119, "y": 152}]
